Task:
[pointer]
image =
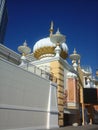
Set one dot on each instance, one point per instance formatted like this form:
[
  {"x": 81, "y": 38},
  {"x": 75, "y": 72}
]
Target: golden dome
[{"x": 46, "y": 48}]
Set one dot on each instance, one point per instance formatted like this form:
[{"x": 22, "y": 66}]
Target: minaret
[
  {"x": 24, "y": 49},
  {"x": 57, "y": 39},
  {"x": 51, "y": 28},
  {"x": 75, "y": 59}
]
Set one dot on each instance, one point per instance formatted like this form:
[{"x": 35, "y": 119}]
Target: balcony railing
[{"x": 35, "y": 70}]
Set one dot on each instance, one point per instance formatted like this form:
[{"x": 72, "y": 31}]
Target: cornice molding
[{"x": 64, "y": 62}]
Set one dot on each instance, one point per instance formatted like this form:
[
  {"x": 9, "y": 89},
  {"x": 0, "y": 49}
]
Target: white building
[{"x": 43, "y": 90}]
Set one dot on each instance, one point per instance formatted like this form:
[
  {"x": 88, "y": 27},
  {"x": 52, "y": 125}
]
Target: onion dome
[
  {"x": 43, "y": 48},
  {"x": 46, "y": 48}
]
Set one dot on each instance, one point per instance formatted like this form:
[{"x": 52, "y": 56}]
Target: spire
[
  {"x": 51, "y": 24},
  {"x": 74, "y": 52},
  {"x": 58, "y": 31},
  {"x": 25, "y": 43},
  {"x": 51, "y": 28}
]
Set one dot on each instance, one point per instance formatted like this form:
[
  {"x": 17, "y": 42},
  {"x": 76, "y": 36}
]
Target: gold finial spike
[
  {"x": 51, "y": 28},
  {"x": 51, "y": 25}
]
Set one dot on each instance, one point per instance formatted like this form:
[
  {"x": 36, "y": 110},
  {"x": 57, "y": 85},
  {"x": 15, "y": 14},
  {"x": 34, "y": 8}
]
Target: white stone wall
[{"x": 27, "y": 101}]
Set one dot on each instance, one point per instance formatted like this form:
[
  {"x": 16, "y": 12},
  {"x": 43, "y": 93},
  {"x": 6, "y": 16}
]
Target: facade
[
  {"x": 3, "y": 20},
  {"x": 44, "y": 90}
]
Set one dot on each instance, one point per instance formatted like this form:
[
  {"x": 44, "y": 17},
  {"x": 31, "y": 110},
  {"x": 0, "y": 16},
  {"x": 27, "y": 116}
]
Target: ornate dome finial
[
  {"x": 51, "y": 28},
  {"x": 25, "y": 43},
  {"x": 74, "y": 52},
  {"x": 24, "y": 49},
  {"x": 75, "y": 57},
  {"x": 57, "y": 37},
  {"x": 58, "y": 31}
]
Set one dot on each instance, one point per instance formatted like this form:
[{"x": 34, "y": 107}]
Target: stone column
[{"x": 58, "y": 71}]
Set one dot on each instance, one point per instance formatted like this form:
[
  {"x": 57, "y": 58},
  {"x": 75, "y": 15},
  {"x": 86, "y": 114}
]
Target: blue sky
[{"x": 77, "y": 19}]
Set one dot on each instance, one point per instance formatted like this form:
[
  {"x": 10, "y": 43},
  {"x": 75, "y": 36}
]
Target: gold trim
[
  {"x": 48, "y": 50},
  {"x": 42, "y": 51}
]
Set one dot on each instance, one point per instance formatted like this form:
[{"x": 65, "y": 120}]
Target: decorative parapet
[{"x": 33, "y": 69}]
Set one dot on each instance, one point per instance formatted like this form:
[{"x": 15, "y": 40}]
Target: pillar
[{"x": 58, "y": 71}]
